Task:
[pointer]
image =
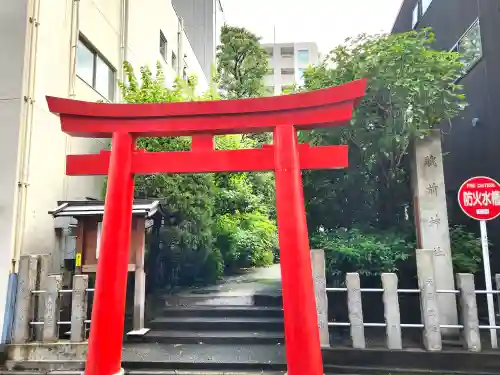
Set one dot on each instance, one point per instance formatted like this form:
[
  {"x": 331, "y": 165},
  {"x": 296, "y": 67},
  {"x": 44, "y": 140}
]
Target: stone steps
[
  {"x": 149, "y": 372},
  {"x": 210, "y": 337},
  {"x": 203, "y": 323},
  {"x": 222, "y": 311},
  {"x": 215, "y": 324}
]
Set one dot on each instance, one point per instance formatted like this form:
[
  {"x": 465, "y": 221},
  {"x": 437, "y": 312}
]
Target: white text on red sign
[{"x": 477, "y": 198}]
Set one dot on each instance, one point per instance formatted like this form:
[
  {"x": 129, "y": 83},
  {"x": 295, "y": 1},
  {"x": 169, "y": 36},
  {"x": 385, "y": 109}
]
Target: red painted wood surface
[
  {"x": 303, "y": 353},
  {"x": 207, "y": 161},
  {"x": 108, "y": 310},
  {"x": 321, "y": 108}
]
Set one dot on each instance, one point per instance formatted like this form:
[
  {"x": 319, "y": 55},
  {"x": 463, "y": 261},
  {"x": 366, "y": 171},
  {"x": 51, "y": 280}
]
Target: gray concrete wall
[
  {"x": 199, "y": 26},
  {"x": 100, "y": 23},
  {"x": 13, "y": 15}
]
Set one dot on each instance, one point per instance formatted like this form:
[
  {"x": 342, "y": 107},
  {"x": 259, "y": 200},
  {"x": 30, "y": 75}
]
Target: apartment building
[
  {"x": 287, "y": 62},
  {"x": 202, "y": 21},
  {"x": 73, "y": 49}
]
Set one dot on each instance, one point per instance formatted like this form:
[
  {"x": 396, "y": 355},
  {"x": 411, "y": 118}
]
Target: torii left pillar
[
  {"x": 105, "y": 349},
  {"x": 299, "y": 306}
]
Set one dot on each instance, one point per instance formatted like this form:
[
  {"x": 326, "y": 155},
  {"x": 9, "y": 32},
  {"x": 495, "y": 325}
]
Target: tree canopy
[
  {"x": 411, "y": 89},
  {"x": 361, "y": 216},
  {"x": 241, "y": 63},
  {"x": 197, "y": 244}
]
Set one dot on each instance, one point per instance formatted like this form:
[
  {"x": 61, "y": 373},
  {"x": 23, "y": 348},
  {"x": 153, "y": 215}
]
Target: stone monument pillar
[
  {"x": 431, "y": 220},
  {"x": 319, "y": 277}
]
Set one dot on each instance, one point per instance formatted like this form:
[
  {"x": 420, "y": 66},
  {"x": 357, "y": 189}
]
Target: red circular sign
[{"x": 479, "y": 198}]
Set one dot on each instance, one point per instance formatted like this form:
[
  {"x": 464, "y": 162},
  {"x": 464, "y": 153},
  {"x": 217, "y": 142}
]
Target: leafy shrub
[
  {"x": 466, "y": 250},
  {"x": 369, "y": 252},
  {"x": 246, "y": 239},
  {"x": 213, "y": 268}
]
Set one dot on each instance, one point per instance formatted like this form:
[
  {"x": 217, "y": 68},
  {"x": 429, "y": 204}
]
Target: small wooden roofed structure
[{"x": 89, "y": 215}]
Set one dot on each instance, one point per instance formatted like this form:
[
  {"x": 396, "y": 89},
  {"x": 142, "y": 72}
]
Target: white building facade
[
  {"x": 71, "y": 49},
  {"x": 287, "y": 62}
]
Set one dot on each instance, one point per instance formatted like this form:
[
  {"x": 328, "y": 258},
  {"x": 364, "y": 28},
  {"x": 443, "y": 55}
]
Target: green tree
[
  {"x": 410, "y": 90},
  {"x": 188, "y": 238},
  {"x": 200, "y": 203},
  {"x": 241, "y": 67},
  {"x": 241, "y": 63}
]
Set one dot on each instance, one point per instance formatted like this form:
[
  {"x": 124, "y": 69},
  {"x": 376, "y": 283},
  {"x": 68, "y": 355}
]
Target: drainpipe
[
  {"x": 73, "y": 40},
  {"x": 180, "y": 49},
  {"x": 23, "y": 161},
  {"x": 26, "y": 126},
  {"x": 125, "y": 11}
]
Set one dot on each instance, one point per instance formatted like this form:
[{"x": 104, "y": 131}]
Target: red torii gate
[{"x": 283, "y": 116}]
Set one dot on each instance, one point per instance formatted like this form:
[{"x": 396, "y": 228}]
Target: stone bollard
[
  {"x": 468, "y": 309},
  {"x": 497, "y": 282},
  {"x": 51, "y": 317},
  {"x": 355, "y": 307},
  {"x": 428, "y": 300},
  {"x": 24, "y": 311},
  {"x": 319, "y": 278},
  {"x": 79, "y": 308},
  {"x": 44, "y": 265},
  {"x": 391, "y": 311}
]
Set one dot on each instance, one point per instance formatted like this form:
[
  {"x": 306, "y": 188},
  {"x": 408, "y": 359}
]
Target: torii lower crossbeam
[
  {"x": 208, "y": 161},
  {"x": 201, "y": 120}
]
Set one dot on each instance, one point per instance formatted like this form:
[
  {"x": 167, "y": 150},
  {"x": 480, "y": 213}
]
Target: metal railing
[{"x": 469, "y": 317}]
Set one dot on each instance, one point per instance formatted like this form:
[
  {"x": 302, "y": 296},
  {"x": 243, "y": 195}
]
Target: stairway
[
  {"x": 202, "y": 334},
  {"x": 231, "y": 325}
]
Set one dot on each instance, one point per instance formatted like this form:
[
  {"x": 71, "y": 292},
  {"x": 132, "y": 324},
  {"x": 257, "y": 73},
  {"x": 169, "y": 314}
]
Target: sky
[{"x": 326, "y": 22}]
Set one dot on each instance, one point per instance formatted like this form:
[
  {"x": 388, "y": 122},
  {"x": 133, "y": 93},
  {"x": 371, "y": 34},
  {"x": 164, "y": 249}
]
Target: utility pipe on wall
[
  {"x": 180, "y": 49},
  {"x": 26, "y": 125},
  {"x": 125, "y": 8},
  {"x": 73, "y": 40}
]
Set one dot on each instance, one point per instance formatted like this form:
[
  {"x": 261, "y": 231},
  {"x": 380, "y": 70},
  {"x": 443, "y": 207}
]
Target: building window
[
  {"x": 301, "y": 76},
  {"x": 287, "y": 52},
  {"x": 269, "y": 90},
  {"x": 163, "y": 47},
  {"x": 287, "y": 89},
  {"x": 270, "y": 72},
  {"x": 415, "y": 16},
  {"x": 425, "y": 5},
  {"x": 287, "y": 71},
  {"x": 469, "y": 47},
  {"x": 94, "y": 69},
  {"x": 174, "y": 60},
  {"x": 303, "y": 56},
  {"x": 185, "y": 69}
]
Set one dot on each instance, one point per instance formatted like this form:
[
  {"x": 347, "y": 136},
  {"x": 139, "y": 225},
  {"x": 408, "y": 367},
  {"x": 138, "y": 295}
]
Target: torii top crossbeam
[{"x": 320, "y": 108}]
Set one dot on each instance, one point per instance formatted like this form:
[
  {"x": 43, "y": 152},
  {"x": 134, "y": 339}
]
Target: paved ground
[{"x": 233, "y": 290}]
